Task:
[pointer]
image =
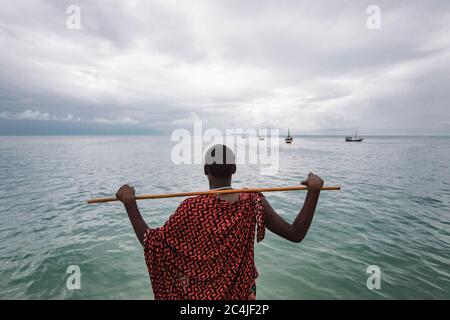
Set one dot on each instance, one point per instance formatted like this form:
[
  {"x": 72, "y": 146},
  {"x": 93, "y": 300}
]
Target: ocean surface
[{"x": 393, "y": 212}]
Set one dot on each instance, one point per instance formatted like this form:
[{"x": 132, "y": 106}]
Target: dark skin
[{"x": 294, "y": 232}]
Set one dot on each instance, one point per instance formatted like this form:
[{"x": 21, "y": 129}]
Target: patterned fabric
[{"x": 206, "y": 249}]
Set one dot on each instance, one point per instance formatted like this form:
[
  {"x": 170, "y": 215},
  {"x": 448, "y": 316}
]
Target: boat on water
[
  {"x": 289, "y": 138},
  {"x": 354, "y": 138}
]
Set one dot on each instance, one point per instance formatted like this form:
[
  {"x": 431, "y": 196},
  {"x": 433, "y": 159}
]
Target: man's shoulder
[
  {"x": 252, "y": 195},
  {"x": 196, "y": 200}
]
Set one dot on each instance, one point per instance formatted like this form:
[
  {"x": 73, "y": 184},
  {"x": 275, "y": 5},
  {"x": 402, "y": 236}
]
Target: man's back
[{"x": 206, "y": 249}]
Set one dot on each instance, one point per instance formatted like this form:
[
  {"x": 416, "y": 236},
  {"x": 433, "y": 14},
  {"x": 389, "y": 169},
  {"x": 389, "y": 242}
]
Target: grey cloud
[{"x": 309, "y": 65}]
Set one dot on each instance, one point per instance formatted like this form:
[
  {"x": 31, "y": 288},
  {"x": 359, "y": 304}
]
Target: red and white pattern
[{"x": 206, "y": 249}]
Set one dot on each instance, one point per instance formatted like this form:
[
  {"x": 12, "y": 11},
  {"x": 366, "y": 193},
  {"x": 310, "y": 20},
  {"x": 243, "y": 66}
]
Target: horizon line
[{"x": 168, "y": 135}]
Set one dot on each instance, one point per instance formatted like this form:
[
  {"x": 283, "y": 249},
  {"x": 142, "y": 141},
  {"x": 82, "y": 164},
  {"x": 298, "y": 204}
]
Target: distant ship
[
  {"x": 354, "y": 138},
  {"x": 289, "y": 139}
]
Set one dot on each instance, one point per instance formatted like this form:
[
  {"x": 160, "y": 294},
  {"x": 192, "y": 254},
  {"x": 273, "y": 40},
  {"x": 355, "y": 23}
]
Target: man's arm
[
  {"x": 296, "y": 231},
  {"x": 126, "y": 194}
]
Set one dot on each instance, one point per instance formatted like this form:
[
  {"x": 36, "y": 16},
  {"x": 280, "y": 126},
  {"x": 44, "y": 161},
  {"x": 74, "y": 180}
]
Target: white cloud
[
  {"x": 36, "y": 115},
  {"x": 124, "y": 120},
  {"x": 45, "y": 116}
]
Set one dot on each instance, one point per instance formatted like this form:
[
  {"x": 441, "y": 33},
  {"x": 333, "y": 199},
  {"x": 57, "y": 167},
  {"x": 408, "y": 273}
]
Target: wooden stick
[{"x": 210, "y": 192}]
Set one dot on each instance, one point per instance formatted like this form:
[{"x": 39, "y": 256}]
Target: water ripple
[{"x": 392, "y": 212}]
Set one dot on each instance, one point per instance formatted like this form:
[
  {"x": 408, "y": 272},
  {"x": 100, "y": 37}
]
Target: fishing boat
[
  {"x": 354, "y": 138},
  {"x": 289, "y": 139}
]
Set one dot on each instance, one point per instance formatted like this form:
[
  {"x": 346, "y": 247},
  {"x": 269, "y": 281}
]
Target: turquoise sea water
[{"x": 393, "y": 212}]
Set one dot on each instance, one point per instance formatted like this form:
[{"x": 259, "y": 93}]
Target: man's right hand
[
  {"x": 313, "y": 182},
  {"x": 126, "y": 194}
]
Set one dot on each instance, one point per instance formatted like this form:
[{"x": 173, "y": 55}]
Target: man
[{"x": 206, "y": 248}]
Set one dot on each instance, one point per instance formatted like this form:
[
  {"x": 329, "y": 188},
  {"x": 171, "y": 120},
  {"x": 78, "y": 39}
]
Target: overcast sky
[{"x": 153, "y": 66}]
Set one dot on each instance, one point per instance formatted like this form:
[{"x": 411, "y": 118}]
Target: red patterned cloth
[{"x": 206, "y": 249}]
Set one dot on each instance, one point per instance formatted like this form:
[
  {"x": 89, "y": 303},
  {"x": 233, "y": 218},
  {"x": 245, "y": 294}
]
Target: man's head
[{"x": 220, "y": 163}]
